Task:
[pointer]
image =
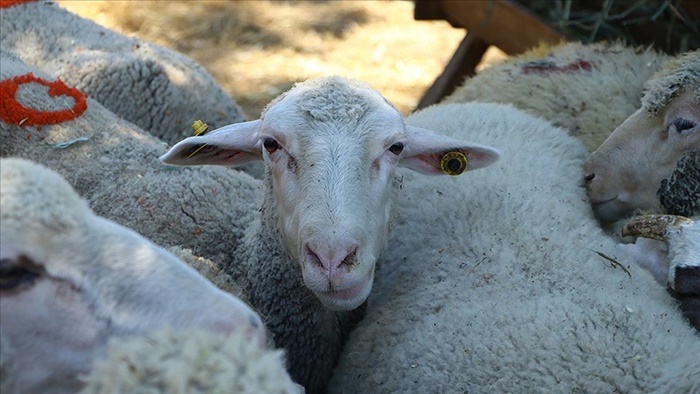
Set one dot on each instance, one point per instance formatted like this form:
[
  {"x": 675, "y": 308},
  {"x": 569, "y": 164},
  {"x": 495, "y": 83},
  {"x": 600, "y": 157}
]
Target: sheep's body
[
  {"x": 586, "y": 89},
  {"x": 512, "y": 296},
  {"x": 118, "y": 172},
  {"x": 157, "y": 89},
  {"x": 167, "y": 362},
  {"x": 72, "y": 280}
]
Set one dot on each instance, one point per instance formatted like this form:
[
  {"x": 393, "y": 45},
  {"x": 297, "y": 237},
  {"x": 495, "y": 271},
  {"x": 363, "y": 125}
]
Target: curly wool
[
  {"x": 507, "y": 293},
  {"x": 679, "y": 74},
  {"x": 588, "y": 90},
  {"x": 155, "y": 88},
  {"x": 188, "y": 362},
  {"x": 680, "y": 194}
]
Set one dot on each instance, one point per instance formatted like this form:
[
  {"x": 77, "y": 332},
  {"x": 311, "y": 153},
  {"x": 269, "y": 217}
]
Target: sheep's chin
[
  {"x": 612, "y": 210},
  {"x": 346, "y": 299}
]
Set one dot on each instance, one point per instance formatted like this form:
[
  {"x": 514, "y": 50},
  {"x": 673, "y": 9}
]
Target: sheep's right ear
[{"x": 230, "y": 145}]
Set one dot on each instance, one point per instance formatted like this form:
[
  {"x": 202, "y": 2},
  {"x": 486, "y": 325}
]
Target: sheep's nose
[
  {"x": 330, "y": 259},
  {"x": 589, "y": 176}
]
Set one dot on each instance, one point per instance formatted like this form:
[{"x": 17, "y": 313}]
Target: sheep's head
[
  {"x": 331, "y": 148},
  {"x": 70, "y": 280},
  {"x": 625, "y": 172}
]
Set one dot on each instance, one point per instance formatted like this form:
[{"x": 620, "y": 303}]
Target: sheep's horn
[{"x": 653, "y": 226}]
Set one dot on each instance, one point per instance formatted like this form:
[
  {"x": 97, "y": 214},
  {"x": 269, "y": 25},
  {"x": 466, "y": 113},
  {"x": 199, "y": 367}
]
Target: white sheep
[
  {"x": 215, "y": 211},
  {"x": 71, "y": 280},
  {"x": 499, "y": 286},
  {"x": 330, "y": 148},
  {"x": 189, "y": 362},
  {"x": 677, "y": 263},
  {"x": 114, "y": 165},
  {"x": 587, "y": 89},
  {"x": 153, "y": 87},
  {"x": 651, "y": 163},
  {"x": 626, "y": 172}
]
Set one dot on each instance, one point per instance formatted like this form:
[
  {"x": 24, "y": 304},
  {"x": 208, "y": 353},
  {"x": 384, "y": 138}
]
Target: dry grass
[{"x": 258, "y": 49}]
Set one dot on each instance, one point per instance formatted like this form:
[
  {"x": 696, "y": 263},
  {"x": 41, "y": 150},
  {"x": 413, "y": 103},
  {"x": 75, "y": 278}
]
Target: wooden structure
[{"x": 502, "y": 23}]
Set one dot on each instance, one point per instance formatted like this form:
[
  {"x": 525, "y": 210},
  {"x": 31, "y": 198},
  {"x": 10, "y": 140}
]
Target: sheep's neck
[{"x": 311, "y": 334}]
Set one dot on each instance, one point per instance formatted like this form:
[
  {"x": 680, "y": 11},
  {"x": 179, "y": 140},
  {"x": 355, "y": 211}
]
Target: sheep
[
  {"x": 114, "y": 165},
  {"x": 156, "y": 88},
  {"x": 330, "y": 147},
  {"x": 216, "y": 212},
  {"x": 194, "y": 361},
  {"x": 625, "y": 173},
  {"x": 679, "y": 261},
  {"x": 71, "y": 280},
  {"x": 502, "y": 285},
  {"x": 586, "y": 89},
  {"x": 651, "y": 164}
]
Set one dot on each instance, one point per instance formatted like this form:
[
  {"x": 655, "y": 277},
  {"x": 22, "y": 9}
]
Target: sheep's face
[
  {"x": 69, "y": 281},
  {"x": 625, "y": 172},
  {"x": 331, "y": 148}
]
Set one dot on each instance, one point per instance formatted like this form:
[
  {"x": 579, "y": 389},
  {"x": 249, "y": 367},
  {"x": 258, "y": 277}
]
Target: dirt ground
[{"x": 258, "y": 49}]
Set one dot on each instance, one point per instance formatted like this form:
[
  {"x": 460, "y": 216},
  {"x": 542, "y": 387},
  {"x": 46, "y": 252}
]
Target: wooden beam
[
  {"x": 462, "y": 65},
  {"x": 502, "y": 23}
]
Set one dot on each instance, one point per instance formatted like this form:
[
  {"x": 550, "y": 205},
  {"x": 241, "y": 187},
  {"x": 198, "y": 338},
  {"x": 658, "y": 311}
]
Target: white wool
[
  {"x": 587, "y": 89},
  {"x": 189, "y": 362},
  {"x": 72, "y": 280},
  {"x": 498, "y": 287}
]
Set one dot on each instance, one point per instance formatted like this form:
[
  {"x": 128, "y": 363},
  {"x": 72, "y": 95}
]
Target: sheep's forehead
[
  {"x": 36, "y": 197},
  {"x": 333, "y": 107}
]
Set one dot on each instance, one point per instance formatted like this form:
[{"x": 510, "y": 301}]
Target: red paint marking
[
  {"x": 10, "y": 3},
  {"x": 544, "y": 67},
  {"x": 11, "y": 111}
]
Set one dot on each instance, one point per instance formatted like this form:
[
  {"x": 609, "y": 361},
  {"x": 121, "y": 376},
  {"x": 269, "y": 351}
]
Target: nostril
[
  {"x": 589, "y": 177},
  {"x": 350, "y": 260},
  {"x": 311, "y": 256}
]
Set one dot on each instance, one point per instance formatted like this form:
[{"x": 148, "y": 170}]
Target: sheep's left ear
[
  {"x": 432, "y": 153},
  {"x": 230, "y": 145}
]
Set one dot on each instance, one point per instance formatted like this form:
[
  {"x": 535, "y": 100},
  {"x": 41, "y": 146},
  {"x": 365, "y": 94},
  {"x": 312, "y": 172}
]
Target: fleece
[
  {"x": 158, "y": 89},
  {"x": 215, "y": 212},
  {"x": 114, "y": 165},
  {"x": 587, "y": 89},
  {"x": 189, "y": 362},
  {"x": 72, "y": 280},
  {"x": 508, "y": 284}
]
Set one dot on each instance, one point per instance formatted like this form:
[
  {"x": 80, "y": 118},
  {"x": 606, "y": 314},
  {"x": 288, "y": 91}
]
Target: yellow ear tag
[
  {"x": 199, "y": 127},
  {"x": 454, "y": 163}
]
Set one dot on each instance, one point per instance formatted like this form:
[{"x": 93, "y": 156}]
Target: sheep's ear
[
  {"x": 230, "y": 145},
  {"x": 432, "y": 153}
]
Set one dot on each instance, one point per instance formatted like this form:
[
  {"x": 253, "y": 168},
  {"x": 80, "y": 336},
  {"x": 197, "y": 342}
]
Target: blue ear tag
[{"x": 454, "y": 163}]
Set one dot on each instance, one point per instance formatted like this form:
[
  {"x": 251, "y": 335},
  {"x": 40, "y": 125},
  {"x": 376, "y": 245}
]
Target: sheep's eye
[
  {"x": 271, "y": 145},
  {"x": 396, "y": 149},
  {"x": 683, "y": 124},
  {"x": 15, "y": 276}
]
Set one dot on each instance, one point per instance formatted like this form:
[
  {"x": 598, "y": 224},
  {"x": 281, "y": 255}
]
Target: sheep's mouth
[
  {"x": 347, "y": 298},
  {"x": 610, "y": 210}
]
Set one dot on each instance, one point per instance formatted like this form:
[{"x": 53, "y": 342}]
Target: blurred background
[{"x": 258, "y": 49}]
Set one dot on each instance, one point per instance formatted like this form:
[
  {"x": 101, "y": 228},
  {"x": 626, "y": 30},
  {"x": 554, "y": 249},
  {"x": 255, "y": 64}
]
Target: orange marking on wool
[
  {"x": 11, "y": 111},
  {"x": 10, "y": 3}
]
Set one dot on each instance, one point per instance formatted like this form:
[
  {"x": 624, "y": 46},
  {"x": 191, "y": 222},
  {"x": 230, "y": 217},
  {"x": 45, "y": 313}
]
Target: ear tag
[
  {"x": 454, "y": 163},
  {"x": 199, "y": 128}
]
